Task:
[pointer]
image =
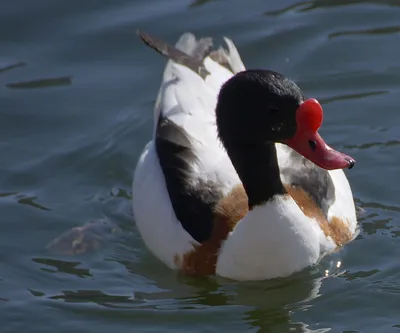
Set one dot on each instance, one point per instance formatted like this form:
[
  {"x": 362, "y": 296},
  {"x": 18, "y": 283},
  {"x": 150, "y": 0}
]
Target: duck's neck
[
  {"x": 257, "y": 167},
  {"x": 275, "y": 238}
]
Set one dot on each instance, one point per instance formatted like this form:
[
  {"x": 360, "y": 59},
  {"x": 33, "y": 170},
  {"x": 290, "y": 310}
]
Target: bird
[{"x": 236, "y": 181}]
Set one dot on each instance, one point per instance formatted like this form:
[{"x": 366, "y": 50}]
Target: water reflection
[
  {"x": 207, "y": 292},
  {"x": 36, "y": 293},
  {"x": 395, "y": 233},
  {"x": 197, "y": 3},
  {"x": 287, "y": 9},
  {"x": 377, "y": 205},
  {"x": 271, "y": 303},
  {"x": 61, "y": 266},
  {"x": 304, "y": 6},
  {"x": 93, "y": 296},
  {"x": 84, "y": 239},
  {"x": 376, "y": 220},
  {"x": 265, "y": 306},
  {"x": 392, "y": 287},
  {"x": 352, "y": 96},
  {"x": 42, "y": 83},
  {"x": 388, "y": 143},
  {"x": 24, "y": 199},
  {"x": 39, "y": 83},
  {"x": 12, "y": 66},
  {"x": 376, "y": 31},
  {"x": 274, "y": 302},
  {"x": 371, "y": 228},
  {"x": 118, "y": 192},
  {"x": 7, "y": 194},
  {"x": 30, "y": 202},
  {"x": 360, "y": 274}
]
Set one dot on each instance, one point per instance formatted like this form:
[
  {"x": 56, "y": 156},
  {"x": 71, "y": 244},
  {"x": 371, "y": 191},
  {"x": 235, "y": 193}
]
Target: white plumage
[{"x": 273, "y": 240}]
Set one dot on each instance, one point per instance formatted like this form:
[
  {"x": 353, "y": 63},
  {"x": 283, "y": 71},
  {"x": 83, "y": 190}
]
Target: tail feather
[
  {"x": 194, "y": 54},
  {"x": 229, "y": 58},
  {"x": 203, "y": 48},
  {"x": 199, "y": 49},
  {"x": 171, "y": 52},
  {"x": 235, "y": 62}
]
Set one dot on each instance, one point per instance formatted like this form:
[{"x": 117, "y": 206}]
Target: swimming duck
[{"x": 236, "y": 180}]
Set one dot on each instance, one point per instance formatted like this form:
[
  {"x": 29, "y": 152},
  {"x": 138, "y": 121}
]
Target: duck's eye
[{"x": 273, "y": 110}]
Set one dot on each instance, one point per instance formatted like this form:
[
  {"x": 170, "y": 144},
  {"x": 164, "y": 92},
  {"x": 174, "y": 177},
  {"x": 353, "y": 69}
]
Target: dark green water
[{"x": 74, "y": 119}]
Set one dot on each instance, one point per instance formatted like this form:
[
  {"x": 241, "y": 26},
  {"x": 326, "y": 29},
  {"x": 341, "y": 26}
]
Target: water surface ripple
[{"x": 77, "y": 92}]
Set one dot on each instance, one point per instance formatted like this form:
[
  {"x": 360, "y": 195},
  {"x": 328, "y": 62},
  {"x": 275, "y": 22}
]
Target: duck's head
[{"x": 258, "y": 106}]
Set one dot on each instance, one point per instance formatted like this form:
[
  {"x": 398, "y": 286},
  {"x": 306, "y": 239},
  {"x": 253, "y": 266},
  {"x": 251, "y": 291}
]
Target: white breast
[{"x": 272, "y": 240}]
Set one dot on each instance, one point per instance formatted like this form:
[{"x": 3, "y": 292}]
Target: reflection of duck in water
[
  {"x": 250, "y": 208},
  {"x": 268, "y": 306},
  {"x": 89, "y": 237}
]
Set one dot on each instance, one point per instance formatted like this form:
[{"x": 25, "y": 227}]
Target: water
[{"x": 75, "y": 117}]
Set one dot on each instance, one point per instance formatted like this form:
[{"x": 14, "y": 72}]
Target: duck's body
[{"x": 189, "y": 202}]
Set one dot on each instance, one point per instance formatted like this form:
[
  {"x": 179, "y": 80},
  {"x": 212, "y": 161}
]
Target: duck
[{"x": 236, "y": 181}]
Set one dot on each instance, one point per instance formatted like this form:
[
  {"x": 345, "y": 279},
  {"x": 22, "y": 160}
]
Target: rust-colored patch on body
[
  {"x": 227, "y": 213},
  {"x": 202, "y": 260},
  {"x": 337, "y": 229},
  {"x": 341, "y": 231}
]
